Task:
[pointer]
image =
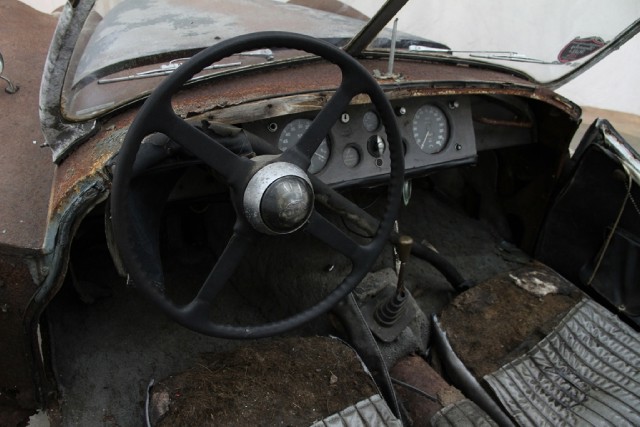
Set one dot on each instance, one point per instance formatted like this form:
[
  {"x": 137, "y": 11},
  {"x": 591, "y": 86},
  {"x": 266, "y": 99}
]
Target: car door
[{"x": 591, "y": 233}]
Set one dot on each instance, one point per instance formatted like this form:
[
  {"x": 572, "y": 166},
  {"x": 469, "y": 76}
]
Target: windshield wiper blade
[
  {"x": 512, "y": 56},
  {"x": 164, "y": 70},
  {"x": 173, "y": 65},
  {"x": 486, "y": 54}
]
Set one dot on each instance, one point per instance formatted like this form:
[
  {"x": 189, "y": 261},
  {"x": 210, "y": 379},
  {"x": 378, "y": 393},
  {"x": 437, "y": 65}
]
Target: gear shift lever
[
  {"x": 404, "y": 253},
  {"x": 391, "y": 310}
]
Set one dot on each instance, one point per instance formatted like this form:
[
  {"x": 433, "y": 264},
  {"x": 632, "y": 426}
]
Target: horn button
[{"x": 278, "y": 199}]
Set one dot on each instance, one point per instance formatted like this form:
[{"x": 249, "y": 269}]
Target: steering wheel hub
[{"x": 278, "y": 199}]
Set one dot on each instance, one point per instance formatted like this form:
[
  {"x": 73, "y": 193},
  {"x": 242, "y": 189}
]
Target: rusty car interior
[{"x": 473, "y": 271}]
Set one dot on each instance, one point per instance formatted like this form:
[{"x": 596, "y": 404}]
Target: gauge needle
[{"x": 425, "y": 138}]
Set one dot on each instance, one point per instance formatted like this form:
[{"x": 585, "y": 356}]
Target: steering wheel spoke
[
  {"x": 222, "y": 271},
  {"x": 207, "y": 149},
  {"x": 328, "y": 233}
]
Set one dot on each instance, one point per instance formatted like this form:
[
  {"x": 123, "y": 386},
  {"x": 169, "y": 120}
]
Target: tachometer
[
  {"x": 292, "y": 133},
  {"x": 430, "y": 129}
]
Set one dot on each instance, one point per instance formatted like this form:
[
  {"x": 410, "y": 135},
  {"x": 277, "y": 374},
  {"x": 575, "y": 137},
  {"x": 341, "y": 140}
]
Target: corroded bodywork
[{"x": 39, "y": 225}]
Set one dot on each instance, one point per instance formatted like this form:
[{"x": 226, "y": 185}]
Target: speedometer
[
  {"x": 430, "y": 129},
  {"x": 292, "y": 133}
]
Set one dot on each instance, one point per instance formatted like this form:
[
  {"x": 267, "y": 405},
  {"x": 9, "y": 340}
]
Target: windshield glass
[
  {"x": 545, "y": 39},
  {"x": 126, "y": 47}
]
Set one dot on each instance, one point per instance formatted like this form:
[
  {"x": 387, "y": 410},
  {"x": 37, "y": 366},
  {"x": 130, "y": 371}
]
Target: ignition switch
[{"x": 376, "y": 146}]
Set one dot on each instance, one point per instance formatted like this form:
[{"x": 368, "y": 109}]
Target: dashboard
[{"x": 436, "y": 131}]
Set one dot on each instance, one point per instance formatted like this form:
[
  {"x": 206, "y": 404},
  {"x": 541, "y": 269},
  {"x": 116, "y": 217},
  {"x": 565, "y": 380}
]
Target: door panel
[{"x": 591, "y": 234}]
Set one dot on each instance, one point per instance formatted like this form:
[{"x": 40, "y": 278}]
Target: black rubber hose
[
  {"x": 463, "y": 379},
  {"x": 440, "y": 263}
]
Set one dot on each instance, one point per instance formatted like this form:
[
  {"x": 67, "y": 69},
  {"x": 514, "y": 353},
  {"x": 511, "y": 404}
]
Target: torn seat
[{"x": 547, "y": 354}]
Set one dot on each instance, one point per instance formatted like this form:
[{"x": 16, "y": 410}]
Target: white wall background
[{"x": 613, "y": 83}]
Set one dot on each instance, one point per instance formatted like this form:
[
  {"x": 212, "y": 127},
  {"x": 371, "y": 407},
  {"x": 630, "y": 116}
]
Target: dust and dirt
[
  {"x": 497, "y": 321},
  {"x": 283, "y": 382}
]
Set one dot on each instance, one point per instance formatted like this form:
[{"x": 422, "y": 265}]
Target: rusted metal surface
[
  {"x": 25, "y": 168},
  {"x": 84, "y": 166},
  {"x": 429, "y": 392}
]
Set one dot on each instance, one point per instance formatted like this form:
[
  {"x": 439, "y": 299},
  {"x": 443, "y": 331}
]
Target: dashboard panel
[{"x": 436, "y": 131}]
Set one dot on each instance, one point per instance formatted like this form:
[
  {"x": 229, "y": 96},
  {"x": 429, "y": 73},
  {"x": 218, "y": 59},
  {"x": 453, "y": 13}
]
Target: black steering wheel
[{"x": 272, "y": 194}]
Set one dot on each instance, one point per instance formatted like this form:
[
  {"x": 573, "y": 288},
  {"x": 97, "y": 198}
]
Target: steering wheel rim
[{"x": 157, "y": 116}]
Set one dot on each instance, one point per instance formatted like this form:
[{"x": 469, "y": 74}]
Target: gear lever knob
[{"x": 404, "y": 248}]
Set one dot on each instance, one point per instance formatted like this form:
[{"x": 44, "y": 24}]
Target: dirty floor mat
[
  {"x": 499, "y": 320},
  {"x": 585, "y": 372},
  {"x": 290, "y": 381}
]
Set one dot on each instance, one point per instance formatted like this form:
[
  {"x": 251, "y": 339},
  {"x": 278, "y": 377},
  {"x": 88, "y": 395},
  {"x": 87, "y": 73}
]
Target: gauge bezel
[
  {"x": 364, "y": 121},
  {"x": 326, "y": 141},
  {"x": 357, "y": 149},
  {"x": 448, "y": 128}
]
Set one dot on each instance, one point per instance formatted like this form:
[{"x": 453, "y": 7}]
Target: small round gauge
[
  {"x": 351, "y": 156},
  {"x": 430, "y": 129},
  {"x": 370, "y": 121},
  {"x": 292, "y": 133}
]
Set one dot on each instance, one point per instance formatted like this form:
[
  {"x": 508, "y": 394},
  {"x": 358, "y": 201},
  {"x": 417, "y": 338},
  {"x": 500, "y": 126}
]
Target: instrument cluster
[{"x": 436, "y": 131}]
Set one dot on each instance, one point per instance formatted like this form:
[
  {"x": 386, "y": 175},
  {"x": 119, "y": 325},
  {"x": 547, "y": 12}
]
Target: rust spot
[{"x": 416, "y": 372}]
